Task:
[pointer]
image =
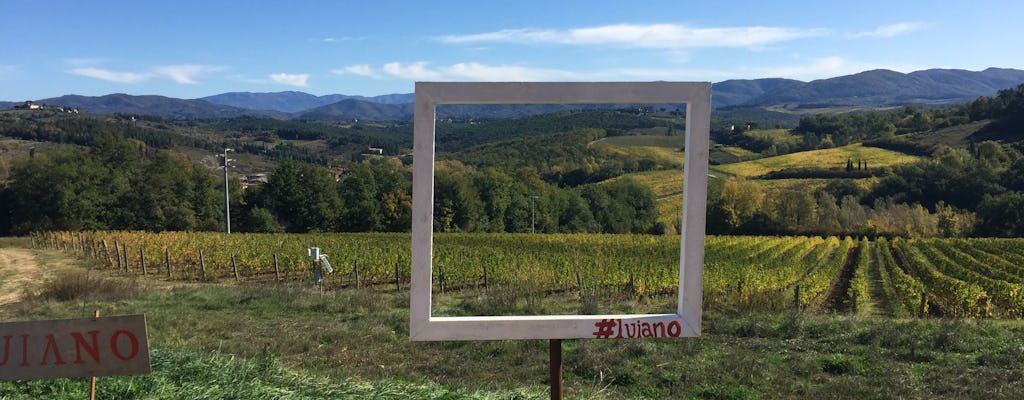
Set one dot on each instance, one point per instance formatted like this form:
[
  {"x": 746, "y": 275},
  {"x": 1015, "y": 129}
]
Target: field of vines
[{"x": 892, "y": 277}]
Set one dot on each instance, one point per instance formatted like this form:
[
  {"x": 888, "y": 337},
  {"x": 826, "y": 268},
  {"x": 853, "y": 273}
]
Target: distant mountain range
[
  {"x": 293, "y": 102},
  {"x": 882, "y": 87},
  {"x": 869, "y": 88}
]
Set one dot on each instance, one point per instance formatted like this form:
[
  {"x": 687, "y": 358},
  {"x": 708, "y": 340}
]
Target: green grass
[
  {"x": 672, "y": 142},
  {"x": 658, "y": 154},
  {"x": 224, "y": 341},
  {"x": 662, "y": 183},
  {"x": 775, "y": 136},
  {"x": 954, "y": 136},
  {"x": 191, "y": 375},
  {"x": 825, "y": 158}
]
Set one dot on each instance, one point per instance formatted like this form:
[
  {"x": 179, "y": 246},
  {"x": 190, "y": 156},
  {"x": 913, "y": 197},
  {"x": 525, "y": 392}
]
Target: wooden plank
[{"x": 73, "y": 348}]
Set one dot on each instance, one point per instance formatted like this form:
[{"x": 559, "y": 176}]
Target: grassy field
[
  {"x": 672, "y": 142},
  {"x": 775, "y": 136},
  {"x": 952, "y": 136},
  {"x": 660, "y": 154},
  {"x": 825, "y": 158},
  {"x": 809, "y": 185},
  {"x": 14, "y": 150},
  {"x": 662, "y": 183},
  {"x": 213, "y": 341}
]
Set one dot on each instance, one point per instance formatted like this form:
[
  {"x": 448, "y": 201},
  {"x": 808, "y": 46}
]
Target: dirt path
[
  {"x": 837, "y": 299},
  {"x": 18, "y": 271}
]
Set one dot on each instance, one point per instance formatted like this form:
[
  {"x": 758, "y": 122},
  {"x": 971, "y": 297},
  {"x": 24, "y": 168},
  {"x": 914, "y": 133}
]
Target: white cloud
[
  {"x": 108, "y": 75},
  {"x": 655, "y": 36},
  {"x": 508, "y": 35},
  {"x": 360, "y": 69},
  {"x": 509, "y": 73},
  {"x": 290, "y": 79},
  {"x": 887, "y": 31},
  {"x": 415, "y": 71},
  {"x": 333, "y": 39},
  {"x": 828, "y": 67},
  {"x": 185, "y": 73},
  {"x": 474, "y": 71},
  {"x": 470, "y": 71}
]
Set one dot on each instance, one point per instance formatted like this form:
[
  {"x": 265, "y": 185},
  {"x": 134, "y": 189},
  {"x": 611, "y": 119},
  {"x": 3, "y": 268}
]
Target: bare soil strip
[
  {"x": 837, "y": 299},
  {"x": 19, "y": 271}
]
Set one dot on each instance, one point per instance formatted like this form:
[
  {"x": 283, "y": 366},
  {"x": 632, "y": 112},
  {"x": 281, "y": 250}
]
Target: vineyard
[{"x": 598, "y": 273}]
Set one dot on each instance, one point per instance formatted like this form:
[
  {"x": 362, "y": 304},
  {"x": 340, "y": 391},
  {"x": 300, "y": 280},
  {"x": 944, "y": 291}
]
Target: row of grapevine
[
  {"x": 1004, "y": 294},
  {"x": 903, "y": 292},
  {"x": 954, "y": 296},
  {"x": 859, "y": 292},
  {"x": 821, "y": 278},
  {"x": 960, "y": 277}
]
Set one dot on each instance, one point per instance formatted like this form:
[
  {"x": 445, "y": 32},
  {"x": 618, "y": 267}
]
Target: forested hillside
[{"x": 571, "y": 171}]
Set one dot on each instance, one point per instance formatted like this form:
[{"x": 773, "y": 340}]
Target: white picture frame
[{"x": 686, "y": 322}]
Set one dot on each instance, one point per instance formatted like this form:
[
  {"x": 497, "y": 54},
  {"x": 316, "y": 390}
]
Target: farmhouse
[{"x": 30, "y": 105}]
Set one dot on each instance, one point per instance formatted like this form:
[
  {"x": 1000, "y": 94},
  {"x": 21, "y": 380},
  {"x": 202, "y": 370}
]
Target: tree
[
  {"x": 622, "y": 206},
  {"x": 376, "y": 196},
  {"x": 495, "y": 189},
  {"x": 796, "y": 209},
  {"x": 574, "y": 213},
  {"x": 1001, "y": 215},
  {"x": 258, "y": 219},
  {"x": 160, "y": 199},
  {"x": 949, "y": 222},
  {"x": 303, "y": 197},
  {"x": 457, "y": 206},
  {"x": 359, "y": 194}
]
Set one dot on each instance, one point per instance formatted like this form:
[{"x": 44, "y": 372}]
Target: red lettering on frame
[
  {"x": 658, "y": 329},
  {"x": 675, "y": 329}
]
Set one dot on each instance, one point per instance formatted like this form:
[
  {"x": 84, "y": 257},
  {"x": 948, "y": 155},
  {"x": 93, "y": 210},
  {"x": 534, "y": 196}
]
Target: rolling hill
[
  {"x": 884, "y": 87},
  {"x": 874, "y": 88},
  {"x": 166, "y": 107},
  {"x": 293, "y": 102}
]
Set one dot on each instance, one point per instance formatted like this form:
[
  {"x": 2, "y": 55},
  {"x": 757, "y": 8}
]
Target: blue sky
[{"x": 191, "y": 49}]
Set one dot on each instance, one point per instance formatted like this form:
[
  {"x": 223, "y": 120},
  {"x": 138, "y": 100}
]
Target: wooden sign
[{"x": 74, "y": 348}]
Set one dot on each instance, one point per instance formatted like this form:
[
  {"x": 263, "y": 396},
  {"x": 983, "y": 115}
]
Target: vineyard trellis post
[
  {"x": 796, "y": 297},
  {"x": 355, "y": 272},
  {"x": 124, "y": 249},
  {"x": 202, "y": 263},
  {"x": 167, "y": 261},
  {"x": 277, "y": 269},
  {"x": 106, "y": 250},
  {"x": 117, "y": 252},
  {"x": 234, "y": 267},
  {"x": 142, "y": 259},
  {"x": 398, "y": 284},
  {"x": 440, "y": 279}
]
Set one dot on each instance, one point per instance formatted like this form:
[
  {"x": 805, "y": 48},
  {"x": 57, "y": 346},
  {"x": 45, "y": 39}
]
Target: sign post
[
  {"x": 92, "y": 386},
  {"x": 555, "y": 356}
]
